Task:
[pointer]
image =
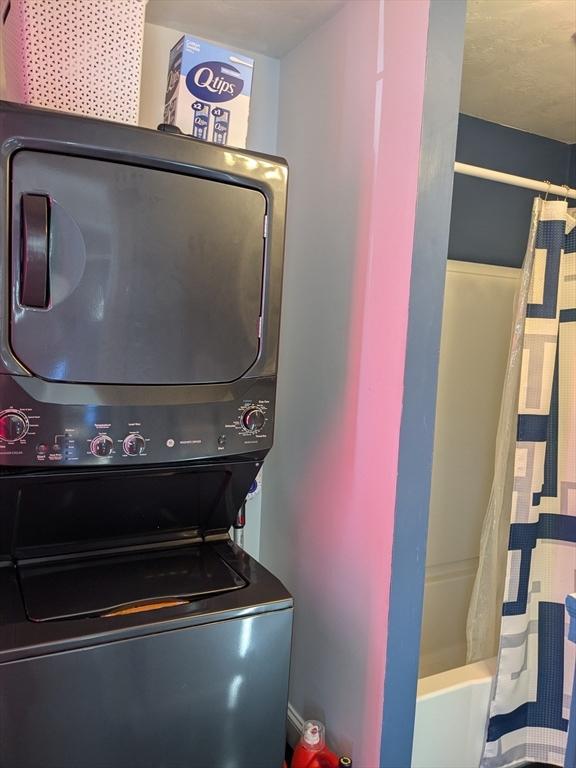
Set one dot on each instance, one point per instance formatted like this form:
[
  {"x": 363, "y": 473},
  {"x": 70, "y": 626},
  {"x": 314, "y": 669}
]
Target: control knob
[
  {"x": 101, "y": 446},
  {"x": 134, "y": 445},
  {"x": 253, "y": 419},
  {"x": 13, "y": 426}
]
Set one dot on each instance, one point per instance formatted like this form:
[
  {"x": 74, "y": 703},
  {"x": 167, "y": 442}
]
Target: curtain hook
[
  {"x": 567, "y": 188},
  {"x": 547, "y": 181}
]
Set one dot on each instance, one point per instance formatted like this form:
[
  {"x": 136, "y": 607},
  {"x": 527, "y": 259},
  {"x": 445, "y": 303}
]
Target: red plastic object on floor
[{"x": 311, "y": 751}]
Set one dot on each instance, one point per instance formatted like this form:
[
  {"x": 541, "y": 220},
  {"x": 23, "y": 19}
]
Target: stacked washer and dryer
[{"x": 140, "y": 289}]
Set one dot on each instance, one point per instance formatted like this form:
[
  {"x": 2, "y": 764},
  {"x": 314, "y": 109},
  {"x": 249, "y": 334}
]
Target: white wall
[
  {"x": 350, "y": 114},
  {"x": 2, "y": 68},
  {"x": 2, "y": 76},
  {"x": 476, "y": 328},
  {"x": 263, "y": 123},
  {"x": 317, "y": 135}
]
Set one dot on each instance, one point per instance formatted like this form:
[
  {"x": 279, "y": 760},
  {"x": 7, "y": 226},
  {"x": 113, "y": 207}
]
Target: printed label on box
[{"x": 208, "y": 92}]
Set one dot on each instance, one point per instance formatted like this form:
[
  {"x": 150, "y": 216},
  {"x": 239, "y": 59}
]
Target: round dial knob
[
  {"x": 134, "y": 445},
  {"x": 101, "y": 445},
  {"x": 253, "y": 419},
  {"x": 13, "y": 426}
]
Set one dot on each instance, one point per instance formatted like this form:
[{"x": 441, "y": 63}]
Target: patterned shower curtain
[{"x": 531, "y": 697}]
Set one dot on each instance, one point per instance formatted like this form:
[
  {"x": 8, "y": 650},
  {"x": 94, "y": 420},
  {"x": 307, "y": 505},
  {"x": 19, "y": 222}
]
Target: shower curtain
[{"x": 531, "y": 697}]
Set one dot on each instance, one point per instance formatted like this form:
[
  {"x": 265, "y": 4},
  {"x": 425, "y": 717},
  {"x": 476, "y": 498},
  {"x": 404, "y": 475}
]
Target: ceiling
[
  {"x": 520, "y": 65},
  {"x": 272, "y": 27}
]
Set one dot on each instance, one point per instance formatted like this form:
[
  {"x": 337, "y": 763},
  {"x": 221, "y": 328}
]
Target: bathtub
[{"x": 451, "y": 713}]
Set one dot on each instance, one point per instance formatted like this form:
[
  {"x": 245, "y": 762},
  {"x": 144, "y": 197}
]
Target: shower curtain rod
[{"x": 515, "y": 181}]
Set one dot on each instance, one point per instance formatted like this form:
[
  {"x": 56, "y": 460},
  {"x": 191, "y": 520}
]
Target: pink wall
[
  {"x": 384, "y": 260},
  {"x": 350, "y": 115}
]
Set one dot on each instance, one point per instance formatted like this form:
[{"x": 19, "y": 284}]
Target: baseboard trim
[{"x": 295, "y": 726}]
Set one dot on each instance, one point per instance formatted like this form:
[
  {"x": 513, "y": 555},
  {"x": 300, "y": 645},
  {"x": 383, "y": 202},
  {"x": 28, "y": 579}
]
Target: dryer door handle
[{"x": 34, "y": 264}]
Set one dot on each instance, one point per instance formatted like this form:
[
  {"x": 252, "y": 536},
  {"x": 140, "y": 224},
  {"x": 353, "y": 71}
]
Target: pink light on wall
[
  {"x": 384, "y": 310},
  {"x": 330, "y": 486}
]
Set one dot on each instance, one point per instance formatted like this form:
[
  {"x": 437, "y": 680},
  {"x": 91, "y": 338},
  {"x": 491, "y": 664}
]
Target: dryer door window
[{"x": 130, "y": 275}]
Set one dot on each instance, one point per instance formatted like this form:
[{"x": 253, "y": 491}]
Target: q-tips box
[{"x": 208, "y": 92}]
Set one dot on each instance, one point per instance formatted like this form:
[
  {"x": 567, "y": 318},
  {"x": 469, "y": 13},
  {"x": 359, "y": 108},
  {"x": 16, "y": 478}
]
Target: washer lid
[{"x": 98, "y": 586}]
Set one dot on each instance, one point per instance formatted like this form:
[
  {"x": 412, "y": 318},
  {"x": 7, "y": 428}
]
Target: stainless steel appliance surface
[
  {"x": 202, "y": 682},
  {"x": 140, "y": 288},
  {"x": 141, "y": 279}
]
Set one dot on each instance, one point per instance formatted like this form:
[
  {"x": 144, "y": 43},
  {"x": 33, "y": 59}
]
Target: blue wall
[
  {"x": 572, "y": 173},
  {"x": 490, "y": 221},
  {"x": 435, "y": 178}
]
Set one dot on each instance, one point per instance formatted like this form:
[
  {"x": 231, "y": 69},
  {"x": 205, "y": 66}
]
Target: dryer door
[{"x": 130, "y": 275}]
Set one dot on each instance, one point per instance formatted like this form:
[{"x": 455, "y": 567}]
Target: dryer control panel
[{"x": 238, "y": 420}]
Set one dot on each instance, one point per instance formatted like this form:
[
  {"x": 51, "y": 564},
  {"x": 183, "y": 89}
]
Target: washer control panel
[{"x": 34, "y": 433}]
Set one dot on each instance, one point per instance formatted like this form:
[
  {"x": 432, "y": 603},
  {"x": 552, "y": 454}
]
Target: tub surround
[
  {"x": 476, "y": 327},
  {"x": 451, "y": 714}
]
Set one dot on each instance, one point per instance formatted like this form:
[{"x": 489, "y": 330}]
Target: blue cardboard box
[{"x": 208, "y": 91}]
